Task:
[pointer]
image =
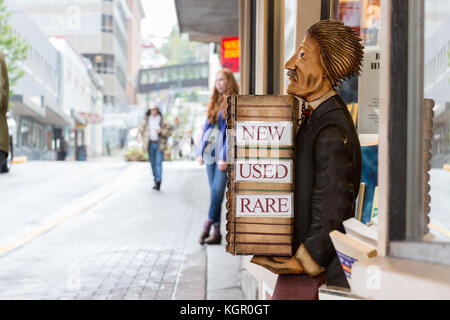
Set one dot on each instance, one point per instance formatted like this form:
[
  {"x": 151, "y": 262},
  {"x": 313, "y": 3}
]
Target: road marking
[
  {"x": 440, "y": 229},
  {"x": 77, "y": 206}
]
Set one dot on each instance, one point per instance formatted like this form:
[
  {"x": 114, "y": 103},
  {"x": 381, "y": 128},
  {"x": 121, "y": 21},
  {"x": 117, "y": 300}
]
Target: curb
[{"x": 19, "y": 160}]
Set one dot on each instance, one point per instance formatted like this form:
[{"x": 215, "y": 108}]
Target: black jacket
[{"x": 327, "y": 178}]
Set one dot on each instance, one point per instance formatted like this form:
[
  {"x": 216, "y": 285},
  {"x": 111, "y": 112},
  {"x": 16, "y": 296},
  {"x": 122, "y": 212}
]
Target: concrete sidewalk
[{"x": 223, "y": 274}]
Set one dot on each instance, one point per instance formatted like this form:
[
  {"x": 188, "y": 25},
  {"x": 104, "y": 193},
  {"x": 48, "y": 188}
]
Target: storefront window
[
  {"x": 26, "y": 133},
  {"x": 361, "y": 94},
  {"x": 290, "y": 18},
  {"x": 437, "y": 88},
  {"x": 364, "y": 17}
]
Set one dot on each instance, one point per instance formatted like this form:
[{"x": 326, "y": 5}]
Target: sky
[{"x": 160, "y": 18}]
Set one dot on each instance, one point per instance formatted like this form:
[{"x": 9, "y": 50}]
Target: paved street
[{"x": 96, "y": 230}]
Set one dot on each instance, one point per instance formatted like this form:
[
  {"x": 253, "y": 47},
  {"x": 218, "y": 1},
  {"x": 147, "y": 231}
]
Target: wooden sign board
[
  {"x": 265, "y": 133},
  {"x": 264, "y": 171},
  {"x": 260, "y": 207},
  {"x": 264, "y": 205}
]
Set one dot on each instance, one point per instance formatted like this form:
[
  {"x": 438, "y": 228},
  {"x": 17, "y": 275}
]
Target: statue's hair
[{"x": 340, "y": 48}]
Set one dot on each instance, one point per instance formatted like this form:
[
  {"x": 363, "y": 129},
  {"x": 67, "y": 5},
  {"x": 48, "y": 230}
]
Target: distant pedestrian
[
  {"x": 4, "y": 98},
  {"x": 155, "y": 132},
  {"x": 212, "y": 152},
  {"x": 177, "y": 152},
  {"x": 62, "y": 151}
]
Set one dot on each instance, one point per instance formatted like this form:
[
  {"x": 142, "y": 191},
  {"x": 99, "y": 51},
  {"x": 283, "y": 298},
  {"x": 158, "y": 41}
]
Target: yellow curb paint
[
  {"x": 439, "y": 228},
  {"x": 87, "y": 201},
  {"x": 20, "y": 160}
]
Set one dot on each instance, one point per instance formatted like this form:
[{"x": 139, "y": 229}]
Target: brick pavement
[{"x": 136, "y": 244}]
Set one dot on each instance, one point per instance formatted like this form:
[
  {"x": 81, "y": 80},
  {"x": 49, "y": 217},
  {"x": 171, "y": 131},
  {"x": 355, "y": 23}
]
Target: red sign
[{"x": 230, "y": 53}]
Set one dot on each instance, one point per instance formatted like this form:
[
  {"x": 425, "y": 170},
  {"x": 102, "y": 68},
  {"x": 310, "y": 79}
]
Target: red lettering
[
  {"x": 251, "y": 135},
  {"x": 263, "y": 171},
  {"x": 279, "y": 134},
  {"x": 270, "y": 205},
  {"x": 278, "y": 171},
  {"x": 256, "y": 169},
  {"x": 267, "y": 170},
  {"x": 264, "y": 132},
  {"x": 282, "y": 203},
  {"x": 245, "y": 205},
  {"x": 241, "y": 171},
  {"x": 258, "y": 205}
]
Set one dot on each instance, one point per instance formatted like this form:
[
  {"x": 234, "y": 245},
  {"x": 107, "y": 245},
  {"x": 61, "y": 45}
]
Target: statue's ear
[{"x": 324, "y": 69}]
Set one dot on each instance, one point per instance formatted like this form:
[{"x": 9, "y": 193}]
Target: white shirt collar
[{"x": 315, "y": 103}]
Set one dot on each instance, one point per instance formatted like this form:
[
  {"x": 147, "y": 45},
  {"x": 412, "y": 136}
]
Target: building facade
[
  {"x": 80, "y": 96},
  {"x": 98, "y": 30},
  {"x": 134, "y": 48},
  {"x": 41, "y": 122}
]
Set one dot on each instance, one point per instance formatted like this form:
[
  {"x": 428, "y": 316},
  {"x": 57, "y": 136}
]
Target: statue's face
[{"x": 305, "y": 70}]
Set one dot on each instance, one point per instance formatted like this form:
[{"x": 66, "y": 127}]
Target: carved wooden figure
[{"x": 327, "y": 160}]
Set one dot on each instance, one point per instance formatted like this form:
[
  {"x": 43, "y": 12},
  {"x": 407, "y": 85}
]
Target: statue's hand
[{"x": 279, "y": 265}]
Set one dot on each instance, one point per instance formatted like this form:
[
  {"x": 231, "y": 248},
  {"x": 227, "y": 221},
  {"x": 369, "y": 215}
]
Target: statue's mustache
[{"x": 292, "y": 73}]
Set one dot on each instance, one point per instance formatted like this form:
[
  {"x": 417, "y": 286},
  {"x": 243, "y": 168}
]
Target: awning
[
  {"x": 42, "y": 114},
  {"x": 91, "y": 117},
  {"x": 78, "y": 118},
  {"x": 208, "y": 20},
  {"x": 57, "y": 117}
]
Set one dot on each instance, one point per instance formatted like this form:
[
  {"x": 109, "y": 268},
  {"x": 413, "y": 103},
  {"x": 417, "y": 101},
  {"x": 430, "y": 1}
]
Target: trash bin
[{"x": 81, "y": 153}]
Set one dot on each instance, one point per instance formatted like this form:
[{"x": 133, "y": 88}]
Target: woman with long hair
[{"x": 212, "y": 152}]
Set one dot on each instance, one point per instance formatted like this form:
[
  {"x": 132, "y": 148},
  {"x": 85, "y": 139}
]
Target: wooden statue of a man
[{"x": 327, "y": 160}]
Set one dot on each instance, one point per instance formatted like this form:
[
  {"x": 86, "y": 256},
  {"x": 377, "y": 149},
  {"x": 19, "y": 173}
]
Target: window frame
[{"x": 401, "y": 154}]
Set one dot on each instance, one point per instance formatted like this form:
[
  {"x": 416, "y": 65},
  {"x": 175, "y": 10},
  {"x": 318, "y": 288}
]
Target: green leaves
[{"x": 180, "y": 50}]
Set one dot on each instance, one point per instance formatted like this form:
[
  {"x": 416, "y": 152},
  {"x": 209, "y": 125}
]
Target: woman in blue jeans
[
  {"x": 213, "y": 152},
  {"x": 154, "y": 131}
]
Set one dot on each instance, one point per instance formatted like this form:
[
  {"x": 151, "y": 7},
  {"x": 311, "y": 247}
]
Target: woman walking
[
  {"x": 155, "y": 132},
  {"x": 213, "y": 152}
]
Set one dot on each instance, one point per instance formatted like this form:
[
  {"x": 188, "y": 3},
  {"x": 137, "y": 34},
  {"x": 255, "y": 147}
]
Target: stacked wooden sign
[{"x": 260, "y": 210}]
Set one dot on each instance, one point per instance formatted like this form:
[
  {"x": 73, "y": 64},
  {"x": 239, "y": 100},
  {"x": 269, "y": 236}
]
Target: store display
[{"x": 260, "y": 175}]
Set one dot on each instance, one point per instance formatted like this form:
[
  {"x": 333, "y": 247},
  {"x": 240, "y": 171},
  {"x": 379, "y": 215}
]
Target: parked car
[{"x": 11, "y": 128}]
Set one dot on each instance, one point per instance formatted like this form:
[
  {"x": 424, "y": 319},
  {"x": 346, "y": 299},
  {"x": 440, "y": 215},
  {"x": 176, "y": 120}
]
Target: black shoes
[{"x": 157, "y": 186}]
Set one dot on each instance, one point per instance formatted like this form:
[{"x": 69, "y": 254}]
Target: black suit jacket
[{"x": 327, "y": 178}]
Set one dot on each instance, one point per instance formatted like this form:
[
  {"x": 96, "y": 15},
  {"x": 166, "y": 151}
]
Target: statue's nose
[{"x": 290, "y": 64}]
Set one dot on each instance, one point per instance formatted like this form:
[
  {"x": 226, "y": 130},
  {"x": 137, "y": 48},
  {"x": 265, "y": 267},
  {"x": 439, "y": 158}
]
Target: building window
[
  {"x": 121, "y": 40},
  {"x": 437, "y": 88},
  {"x": 109, "y": 100},
  {"x": 107, "y": 23},
  {"x": 103, "y": 63},
  {"x": 121, "y": 77},
  {"x": 418, "y": 226},
  {"x": 26, "y": 133}
]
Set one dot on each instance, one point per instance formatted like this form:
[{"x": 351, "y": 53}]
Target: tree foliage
[
  {"x": 180, "y": 50},
  {"x": 13, "y": 47}
]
